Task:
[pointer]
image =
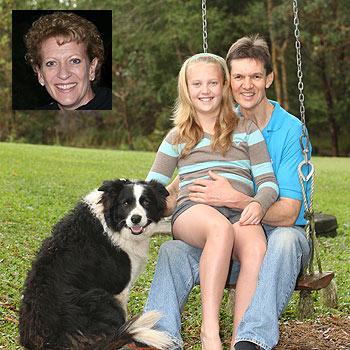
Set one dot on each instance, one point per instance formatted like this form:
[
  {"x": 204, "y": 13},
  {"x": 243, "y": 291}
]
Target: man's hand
[
  {"x": 217, "y": 191},
  {"x": 252, "y": 214}
]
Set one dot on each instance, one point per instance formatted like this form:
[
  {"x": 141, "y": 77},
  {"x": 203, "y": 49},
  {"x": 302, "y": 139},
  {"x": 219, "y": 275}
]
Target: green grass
[{"x": 39, "y": 184}]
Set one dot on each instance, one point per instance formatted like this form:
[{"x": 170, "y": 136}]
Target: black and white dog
[{"x": 76, "y": 293}]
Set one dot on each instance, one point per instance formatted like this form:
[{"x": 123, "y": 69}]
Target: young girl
[{"x": 208, "y": 136}]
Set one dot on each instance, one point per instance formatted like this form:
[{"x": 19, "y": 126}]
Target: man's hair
[
  {"x": 65, "y": 27},
  {"x": 185, "y": 117},
  {"x": 254, "y": 47}
]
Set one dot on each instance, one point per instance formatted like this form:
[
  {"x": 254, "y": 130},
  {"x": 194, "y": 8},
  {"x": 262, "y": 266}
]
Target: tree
[
  {"x": 151, "y": 39},
  {"x": 328, "y": 44},
  {"x": 6, "y": 113}
]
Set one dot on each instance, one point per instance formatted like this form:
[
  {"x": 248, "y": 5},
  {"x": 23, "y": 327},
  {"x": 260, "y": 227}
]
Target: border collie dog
[{"x": 76, "y": 294}]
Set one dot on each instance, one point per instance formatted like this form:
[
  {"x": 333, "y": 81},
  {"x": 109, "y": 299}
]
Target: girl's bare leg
[
  {"x": 249, "y": 249},
  {"x": 204, "y": 227}
]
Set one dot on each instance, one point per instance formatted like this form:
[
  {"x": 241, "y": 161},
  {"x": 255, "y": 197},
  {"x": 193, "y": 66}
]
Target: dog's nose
[{"x": 135, "y": 219}]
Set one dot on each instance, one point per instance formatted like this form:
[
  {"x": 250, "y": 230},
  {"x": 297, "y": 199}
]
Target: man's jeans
[{"x": 177, "y": 272}]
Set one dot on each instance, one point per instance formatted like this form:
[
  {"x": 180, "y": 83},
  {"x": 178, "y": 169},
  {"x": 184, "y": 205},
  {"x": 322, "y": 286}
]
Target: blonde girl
[{"x": 208, "y": 137}]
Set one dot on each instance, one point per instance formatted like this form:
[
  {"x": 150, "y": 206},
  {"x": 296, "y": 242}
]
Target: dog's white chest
[
  {"x": 138, "y": 256},
  {"x": 137, "y": 253}
]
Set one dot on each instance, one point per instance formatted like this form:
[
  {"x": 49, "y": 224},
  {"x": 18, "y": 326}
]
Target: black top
[{"x": 101, "y": 101}]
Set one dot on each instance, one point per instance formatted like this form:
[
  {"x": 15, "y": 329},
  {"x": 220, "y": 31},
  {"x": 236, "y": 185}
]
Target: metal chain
[
  {"x": 298, "y": 56},
  {"x": 304, "y": 140},
  {"x": 205, "y": 26},
  {"x": 304, "y": 144}
]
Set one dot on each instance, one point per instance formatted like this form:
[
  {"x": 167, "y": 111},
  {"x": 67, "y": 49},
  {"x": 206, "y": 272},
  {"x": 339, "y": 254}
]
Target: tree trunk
[
  {"x": 330, "y": 107},
  {"x": 124, "y": 112},
  {"x": 282, "y": 57},
  {"x": 122, "y": 96},
  {"x": 277, "y": 82}
]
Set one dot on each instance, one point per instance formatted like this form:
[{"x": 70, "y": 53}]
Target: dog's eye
[
  {"x": 125, "y": 203},
  {"x": 145, "y": 203}
]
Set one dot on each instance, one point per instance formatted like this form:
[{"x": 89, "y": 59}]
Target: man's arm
[
  {"x": 219, "y": 192},
  {"x": 284, "y": 212}
]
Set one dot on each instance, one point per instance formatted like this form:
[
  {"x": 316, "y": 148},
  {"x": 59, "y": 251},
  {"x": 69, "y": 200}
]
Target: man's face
[
  {"x": 66, "y": 72},
  {"x": 249, "y": 82}
]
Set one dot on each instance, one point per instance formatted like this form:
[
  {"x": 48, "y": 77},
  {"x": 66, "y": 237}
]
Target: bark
[
  {"x": 124, "y": 113},
  {"x": 327, "y": 89},
  {"x": 122, "y": 96},
  {"x": 277, "y": 81},
  {"x": 282, "y": 57}
]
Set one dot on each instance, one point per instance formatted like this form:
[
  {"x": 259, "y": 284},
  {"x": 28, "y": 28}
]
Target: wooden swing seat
[
  {"x": 309, "y": 282},
  {"x": 314, "y": 281}
]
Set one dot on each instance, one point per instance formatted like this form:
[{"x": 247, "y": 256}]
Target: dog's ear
[
  {"x": 160, "y": 193},
  {"x": 111, "y": 190},
  {"x": 158, "y": 188},
  {"x": 113, "y": 186}
]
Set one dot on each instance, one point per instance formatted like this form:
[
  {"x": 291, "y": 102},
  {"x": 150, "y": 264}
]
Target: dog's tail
[{"x": 140, "y": 329}]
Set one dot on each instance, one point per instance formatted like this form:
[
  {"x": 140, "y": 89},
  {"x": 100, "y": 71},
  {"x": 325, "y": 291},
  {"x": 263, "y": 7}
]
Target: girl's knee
[
  {"x": 257, "y": 251},
  {"x": 251, "y": 253},
  {"x": 220, "y": 231}
]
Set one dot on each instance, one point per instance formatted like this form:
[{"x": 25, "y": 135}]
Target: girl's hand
[
  {"x": 173, "y": 189},
  {"x": 252, "y": 214}
]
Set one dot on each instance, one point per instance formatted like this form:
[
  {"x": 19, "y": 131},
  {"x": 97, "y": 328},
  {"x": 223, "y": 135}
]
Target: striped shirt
[{"x": 246, "y": 164}]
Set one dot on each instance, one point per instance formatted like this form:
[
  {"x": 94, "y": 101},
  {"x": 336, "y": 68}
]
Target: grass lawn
[{"x": 39, "y": 184}]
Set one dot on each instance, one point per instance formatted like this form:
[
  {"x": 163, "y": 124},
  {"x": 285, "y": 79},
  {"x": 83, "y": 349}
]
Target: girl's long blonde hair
[{"x": 189, "y": 132}]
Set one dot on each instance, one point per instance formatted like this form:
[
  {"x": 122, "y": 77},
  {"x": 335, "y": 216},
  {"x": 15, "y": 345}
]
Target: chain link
[
  {"x": 304, "y": 139},
  {"x": 299, "y": 63},
  {"x": 205, "y": 26}
]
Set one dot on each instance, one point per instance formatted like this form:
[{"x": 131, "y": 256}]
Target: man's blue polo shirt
[{"x": 282, "y": 136}]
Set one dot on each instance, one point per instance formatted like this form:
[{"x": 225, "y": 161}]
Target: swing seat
[{"x": 315, "y": 281}]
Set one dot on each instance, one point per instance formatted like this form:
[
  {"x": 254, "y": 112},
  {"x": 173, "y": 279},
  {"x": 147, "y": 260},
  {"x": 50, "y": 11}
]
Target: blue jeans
[{"x": 177, "y": 272}]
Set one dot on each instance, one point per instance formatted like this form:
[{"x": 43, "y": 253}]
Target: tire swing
[{"x": 309, "y": 280}]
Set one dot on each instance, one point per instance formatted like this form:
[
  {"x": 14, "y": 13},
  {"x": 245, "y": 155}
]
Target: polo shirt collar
[{"x": 275, "y": 121}]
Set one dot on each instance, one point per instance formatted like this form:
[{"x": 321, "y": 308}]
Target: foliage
[
  {"x": 41, "y": 183},
  {"x": 150, "y": 41}
]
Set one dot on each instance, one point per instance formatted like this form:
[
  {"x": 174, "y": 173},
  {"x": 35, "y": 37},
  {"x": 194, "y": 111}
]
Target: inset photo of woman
[{"x": 61, "y": 60}]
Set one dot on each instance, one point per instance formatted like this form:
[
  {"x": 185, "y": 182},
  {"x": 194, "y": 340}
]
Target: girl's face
[{"x": 205, "y": 82}]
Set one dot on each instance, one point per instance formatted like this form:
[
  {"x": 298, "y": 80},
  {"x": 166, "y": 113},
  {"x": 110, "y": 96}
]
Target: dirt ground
[{"x": 328, "y": 333}]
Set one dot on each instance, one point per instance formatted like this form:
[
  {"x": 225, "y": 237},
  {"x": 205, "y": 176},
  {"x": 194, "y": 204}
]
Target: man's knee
[
  {"x": 286, "y": 237},
  {"x": 177, "y": 251},
  {"x": 289, "y": 240}
]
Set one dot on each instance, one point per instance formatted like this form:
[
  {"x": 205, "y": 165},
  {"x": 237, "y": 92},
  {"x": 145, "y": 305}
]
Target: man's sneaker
[
  {"x": 137, "y": 346},
  {"x": 246, "y": 345}
]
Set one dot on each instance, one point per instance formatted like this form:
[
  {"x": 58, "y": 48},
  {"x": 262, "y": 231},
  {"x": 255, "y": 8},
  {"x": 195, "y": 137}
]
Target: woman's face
[
  {"x": 66, "y": 73},
  {"x": 205, "y": 83}
]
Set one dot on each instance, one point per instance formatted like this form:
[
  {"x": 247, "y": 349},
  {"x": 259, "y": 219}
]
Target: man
[{"x": 288, "y": 251}]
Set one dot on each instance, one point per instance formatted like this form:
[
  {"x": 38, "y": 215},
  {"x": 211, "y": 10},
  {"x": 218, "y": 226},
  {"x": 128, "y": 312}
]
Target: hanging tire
[{"x": 325, "y": 225}]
